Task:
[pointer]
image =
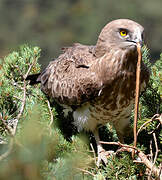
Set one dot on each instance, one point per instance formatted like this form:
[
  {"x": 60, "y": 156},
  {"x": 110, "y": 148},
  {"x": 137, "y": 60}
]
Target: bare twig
[
  {"x": 157, "y": 127},
  {"x": 157, "y": 150},
  {"x": 94, "y": 154},
  {"x": 137, "y": 94},
  {"x": 149, "y": 164},
  {"x": 154, "y": 118},
  {"x": 17, "y": 98},
  {"x": 28, "y": 71},
  {"x": 24, "y": 95},
  {"x": 160, "y": 119},
  {"x": 51, "y": 114},
  {"x": 21, "y": 109},
  {"x": 156, "y": 171},
  {"x": 85, "y": 171},
  {"x": 17, "y": 67},
  {"x": 119, "y": 144},
  {"x": 151, "y": 152},
  {"x": 156, "y": 154}
]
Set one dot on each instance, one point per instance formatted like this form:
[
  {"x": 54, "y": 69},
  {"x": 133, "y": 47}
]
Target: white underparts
[{"x": 82, "y": 118}]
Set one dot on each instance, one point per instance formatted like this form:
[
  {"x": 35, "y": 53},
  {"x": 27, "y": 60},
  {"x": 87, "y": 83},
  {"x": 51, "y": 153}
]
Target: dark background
[{"x": 52, "y": 24}]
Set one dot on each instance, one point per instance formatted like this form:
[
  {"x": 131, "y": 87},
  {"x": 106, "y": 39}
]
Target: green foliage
[
  {"x": 151, "y": 99},
  {"x": 123, "y": 163},
  {"x": 39, "y": 150},
  {"x": 13, "y": 68}
]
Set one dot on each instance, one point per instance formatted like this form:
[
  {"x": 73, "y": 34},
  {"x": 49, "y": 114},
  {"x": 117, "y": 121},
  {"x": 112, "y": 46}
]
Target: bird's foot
[{"x": 102, "y": 156}]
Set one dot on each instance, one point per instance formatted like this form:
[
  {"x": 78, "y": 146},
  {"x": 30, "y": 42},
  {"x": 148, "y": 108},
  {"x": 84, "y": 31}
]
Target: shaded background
[{"x": 52, "y": 24}]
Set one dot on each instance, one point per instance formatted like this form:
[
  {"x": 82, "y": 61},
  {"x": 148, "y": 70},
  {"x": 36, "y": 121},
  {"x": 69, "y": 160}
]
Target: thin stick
[
  {"x": 85, "y": 171},
  {"x": 21, "y": 109},
  {"x": 151, "y": 152},
  {"x": 118, "y": 144},
  {"x": 49, "y": 107},
  {"x": 160, "y": 119},
  {"x": 94, "y": 154},
  {"x": 24, "y": 96},
  {"x": 155, "y": 117},
  {"x": 30, "y": 67},
  {"x": 156, "y": 171},
  {"x": 156, "y": 146},
  {"x": 51, "y": 114},
  {"x": 137, "y": 95},
  {"x": 156, "y": 154},
  {"x": 149, "y": 164}
]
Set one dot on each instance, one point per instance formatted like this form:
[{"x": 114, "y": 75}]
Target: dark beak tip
[{"x": 141, "y": 43}]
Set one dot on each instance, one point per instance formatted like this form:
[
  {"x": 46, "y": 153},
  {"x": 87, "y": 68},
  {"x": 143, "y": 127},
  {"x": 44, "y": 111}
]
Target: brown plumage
[{"x": 98, "y": 80}]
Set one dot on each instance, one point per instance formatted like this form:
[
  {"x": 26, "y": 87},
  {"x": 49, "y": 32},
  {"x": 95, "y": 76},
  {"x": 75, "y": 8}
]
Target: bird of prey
[{"x": 95, "y": 85}]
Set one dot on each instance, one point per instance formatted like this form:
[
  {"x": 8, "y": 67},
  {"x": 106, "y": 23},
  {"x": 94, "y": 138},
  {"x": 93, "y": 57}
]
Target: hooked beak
[
  {"x": 138, "y": 38},
  {"x": 136, "y": 41},
  {"x": 140, "y": 41}
]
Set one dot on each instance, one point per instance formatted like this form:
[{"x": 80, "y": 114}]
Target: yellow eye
[{"x": 123, "y": 33}]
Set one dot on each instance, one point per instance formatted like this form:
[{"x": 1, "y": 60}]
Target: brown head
[{"x": 120, "y": 33}]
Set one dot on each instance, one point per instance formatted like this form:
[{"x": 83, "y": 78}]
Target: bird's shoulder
[
  {"x": 79, "y": 55},
  {"x": 69, "y": 79}
]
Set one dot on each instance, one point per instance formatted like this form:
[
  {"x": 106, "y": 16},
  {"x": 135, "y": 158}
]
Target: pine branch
[{"x": 156, "y": 171}]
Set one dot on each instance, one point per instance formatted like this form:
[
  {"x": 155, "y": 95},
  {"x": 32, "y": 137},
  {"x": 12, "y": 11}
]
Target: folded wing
[{"x": 70, "y": 79}]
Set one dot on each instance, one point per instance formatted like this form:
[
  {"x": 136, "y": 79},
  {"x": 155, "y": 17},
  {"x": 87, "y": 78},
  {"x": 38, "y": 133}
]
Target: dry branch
[
  {"x": 21, "y": 109},
  {"x": 155, "y": 170},
  {"x": 24, "y": 95},
  {"x": 94, "y": 154},
  {"x": 51, "y": 114},
  {"x": 157, "y": 150},
  {"x": 29, "y": 69},
  {"x": 156, "y": 117},
  {"x": 86, "y": 172}
]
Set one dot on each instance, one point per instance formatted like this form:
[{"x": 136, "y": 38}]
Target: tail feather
[{"x": 34, "y": 78}]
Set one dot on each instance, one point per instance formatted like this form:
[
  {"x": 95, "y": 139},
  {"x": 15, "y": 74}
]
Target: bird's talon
[{"x": 103, "y": 156}]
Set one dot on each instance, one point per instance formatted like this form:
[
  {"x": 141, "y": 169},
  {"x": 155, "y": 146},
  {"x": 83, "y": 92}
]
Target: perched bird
[{"x": 95, "y": 85}]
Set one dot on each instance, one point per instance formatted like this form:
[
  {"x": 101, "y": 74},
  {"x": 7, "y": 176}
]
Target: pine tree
[{"x": 31, "y": 143}]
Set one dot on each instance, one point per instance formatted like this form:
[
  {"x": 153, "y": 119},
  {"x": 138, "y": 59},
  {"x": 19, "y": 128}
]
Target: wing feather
[{"x": 69, "y": 79}]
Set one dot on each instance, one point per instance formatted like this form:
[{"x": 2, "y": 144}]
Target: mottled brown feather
[
  {"x": 77, "y": 76},
  {"x": 98, "y": 80},
  {"x": 70, "y": 78}
]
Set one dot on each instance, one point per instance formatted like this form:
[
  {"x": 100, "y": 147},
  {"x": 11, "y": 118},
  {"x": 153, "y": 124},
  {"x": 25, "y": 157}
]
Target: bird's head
[{"x": 121, "y": 33}]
